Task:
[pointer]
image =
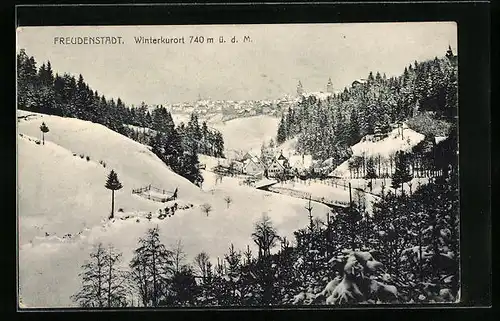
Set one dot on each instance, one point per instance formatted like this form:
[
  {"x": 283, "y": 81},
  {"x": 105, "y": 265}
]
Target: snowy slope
[
  {"x": 60, "y": 194},
  {"x": 244, "y": 133},
  {"x": 248, "y": 133},
  {"x": 369, "y": 147},
  {"x": 119, "y": 152}
]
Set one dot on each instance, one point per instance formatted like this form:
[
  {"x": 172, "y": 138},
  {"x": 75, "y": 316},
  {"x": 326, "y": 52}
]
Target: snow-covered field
[
  {"x": 246, "y": 133},
  {"x": 63, "y": 195},
  {"x": 369, "y": 147},
  {"x": 324, "y": 192}
]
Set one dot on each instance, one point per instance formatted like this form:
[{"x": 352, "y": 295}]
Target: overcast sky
[{"x": 267, "y": 67}]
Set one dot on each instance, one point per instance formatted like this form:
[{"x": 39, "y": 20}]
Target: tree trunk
[
  {"x": 109, "y": 281},
  {"x": 43, "y": 138},
  {"x": 421, "y": 276},
  {"x": 112, "y": 204},
  {"x": 99, "y": 281},
  {"x": 155, "y": 297}
]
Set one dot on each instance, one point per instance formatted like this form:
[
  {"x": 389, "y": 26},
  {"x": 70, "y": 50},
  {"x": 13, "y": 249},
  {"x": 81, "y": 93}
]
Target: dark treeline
[
  {"x": 205, "y": 140},
  {"x": 178, "y": 147},
  {"x": 328, "y": 128},
  {"x": 39, "y": 90}
]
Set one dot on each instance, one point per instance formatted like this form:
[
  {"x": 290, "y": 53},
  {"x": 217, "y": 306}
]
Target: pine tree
[
  {"x": 80, "y": 99},
  {"x": 281, "y": 137},
  {"x": 173, "y": 151},
  {"x": 190, "y": 168},
  {"x": 354, "y": 130},
  {"x": 219, "y": 145},
  {"x": 183, "y": 288},
  {"x": 370, "y": 170},
  {"x": 402, "y": 171},
  {"x": 113, "y": 184},
  {"x": 157, "y": 145},
  {"x": 233, "y": 259},
  {"x": 44, "y": 129},
  {"x": 26, "y": 74}
]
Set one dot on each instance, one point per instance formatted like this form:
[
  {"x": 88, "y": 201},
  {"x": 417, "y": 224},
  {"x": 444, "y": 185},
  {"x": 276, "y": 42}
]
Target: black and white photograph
[{"x": 244, "y": 165}]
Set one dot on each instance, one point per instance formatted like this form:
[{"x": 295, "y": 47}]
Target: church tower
[
  {"x": 451, "y": 57},
  {"x": 300, "y": 90},
  {"x": 329, "y": 86}
]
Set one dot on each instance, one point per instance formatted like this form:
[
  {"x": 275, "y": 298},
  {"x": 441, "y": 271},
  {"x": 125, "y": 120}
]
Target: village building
[
  {"x": 300, "y": 89},
  {"x": 279, "y": 166},
  {"x": 275, "y": 169},
  {"x": 253, "y": 166},
  {"x": 237, "y": 166},
  {"x": 329, "y": 86},
  {"x": 358, "y": 82},
  {"x": 300, "y": 163}
]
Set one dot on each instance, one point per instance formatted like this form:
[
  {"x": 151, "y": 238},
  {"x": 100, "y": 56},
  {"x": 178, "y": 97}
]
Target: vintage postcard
[{"x": 238, "y": 165}]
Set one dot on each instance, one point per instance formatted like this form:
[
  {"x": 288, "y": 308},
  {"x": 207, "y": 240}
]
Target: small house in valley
[
  {"x": 279, "y": 166},
  {"x": 253, "y": 166},
  {"x": 300, "y": 163}
]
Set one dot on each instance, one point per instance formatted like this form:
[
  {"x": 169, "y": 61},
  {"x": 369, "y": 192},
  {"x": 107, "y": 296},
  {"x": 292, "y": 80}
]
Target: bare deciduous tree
[
  {"x": 103, "y": 281},
  {"x": 178, "y": 256},
  {"x": 206, "y": 208},
  {"x": 202, "y": 262},
  {"x": 228, "y": 200}
]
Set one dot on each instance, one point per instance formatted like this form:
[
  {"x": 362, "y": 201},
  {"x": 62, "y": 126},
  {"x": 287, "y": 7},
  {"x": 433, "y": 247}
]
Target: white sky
[{"x": 268, "y": 67}]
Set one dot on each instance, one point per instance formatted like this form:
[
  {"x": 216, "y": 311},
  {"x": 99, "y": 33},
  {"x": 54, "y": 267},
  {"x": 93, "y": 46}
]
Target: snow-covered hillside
[
  {"x": 240, "y": 134},
  {"x": 63, "y": 205},
  {"x": 371, "y": 147},
  {"x": 248, "y": 133}
]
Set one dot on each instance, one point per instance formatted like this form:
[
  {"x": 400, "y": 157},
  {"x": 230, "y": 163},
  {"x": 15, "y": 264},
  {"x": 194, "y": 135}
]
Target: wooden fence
[
  {"x": 169, "y": 196},
  {"x": 306, "y": 195}
]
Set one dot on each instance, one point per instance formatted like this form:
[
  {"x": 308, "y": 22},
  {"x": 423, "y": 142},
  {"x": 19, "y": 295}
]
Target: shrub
[
  {"x": 88, "y": 158},
  {"x": 74, "y": 154},
  {"x": 120, "y": 210},
  {"x": 362, "y": 282},
  {"x": 81, "y": 156},
  {"x": 37, "y": 142},
  {"x": 206, "y": 208}
]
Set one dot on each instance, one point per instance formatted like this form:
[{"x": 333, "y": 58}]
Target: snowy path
[{"x": 329, "y": 195}]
